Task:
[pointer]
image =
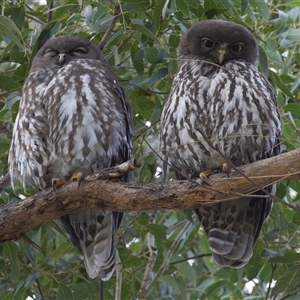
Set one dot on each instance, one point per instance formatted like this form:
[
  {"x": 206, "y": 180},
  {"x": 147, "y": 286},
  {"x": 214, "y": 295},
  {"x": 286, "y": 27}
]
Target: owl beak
[
  {"x": 62, "y": 58},
  {"x": 221, "y": 55}
]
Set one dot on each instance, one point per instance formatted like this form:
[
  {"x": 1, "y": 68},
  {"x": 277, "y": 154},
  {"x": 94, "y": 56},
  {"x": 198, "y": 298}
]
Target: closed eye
[
  {"x": 49, "y": 53},
  {"x": 237, "y": 48},
  {"x": 79, "y": 51}
]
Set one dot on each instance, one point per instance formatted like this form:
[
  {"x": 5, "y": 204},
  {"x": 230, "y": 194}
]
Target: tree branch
[
  {"x": 117, "y": 11},
  {"x": 97, "y": 191}
]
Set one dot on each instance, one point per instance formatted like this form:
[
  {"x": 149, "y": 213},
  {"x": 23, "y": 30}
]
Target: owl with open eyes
[
  {"x": 74, "y": 118},
  {"x": 222, "y": 111}
]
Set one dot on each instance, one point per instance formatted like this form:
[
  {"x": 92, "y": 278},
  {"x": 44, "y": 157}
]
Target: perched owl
[
  {"x": 221, "y": 104},
  {"x": 73, "y": 118}
]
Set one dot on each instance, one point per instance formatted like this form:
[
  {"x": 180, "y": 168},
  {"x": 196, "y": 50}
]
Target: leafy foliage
[{"x": 142, "y": 50}]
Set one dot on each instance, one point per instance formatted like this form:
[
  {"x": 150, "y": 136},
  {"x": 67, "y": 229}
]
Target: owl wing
[{"x": 30, "y": 150}]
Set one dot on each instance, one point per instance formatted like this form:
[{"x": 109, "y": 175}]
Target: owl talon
[
  {"x": 77, "y": 177},
  {"x": 204, "y": 176},
  {"x": 57, "y": 182},
  {"x": 225, "y": 168}
]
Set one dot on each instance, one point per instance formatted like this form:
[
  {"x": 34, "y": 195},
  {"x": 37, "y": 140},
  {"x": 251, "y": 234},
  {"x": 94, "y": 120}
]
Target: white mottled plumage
[
  {"x": 73, "y": 117},
  {"x": 221, "y": 105}
]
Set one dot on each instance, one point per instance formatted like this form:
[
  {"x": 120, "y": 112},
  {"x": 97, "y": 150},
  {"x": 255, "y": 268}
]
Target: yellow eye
[
  {"x": 208, "y": 43},
  {"x": 237, "y": 48},
  {"x": 79, "y": 51}
]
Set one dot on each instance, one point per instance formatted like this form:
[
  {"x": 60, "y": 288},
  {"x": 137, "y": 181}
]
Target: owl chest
[
  {"x": 208, "y": 119},
  {"x": 75, "y": 125}
]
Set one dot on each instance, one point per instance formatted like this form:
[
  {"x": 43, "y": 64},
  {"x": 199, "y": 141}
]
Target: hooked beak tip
[{"x": 62, "y": 58}]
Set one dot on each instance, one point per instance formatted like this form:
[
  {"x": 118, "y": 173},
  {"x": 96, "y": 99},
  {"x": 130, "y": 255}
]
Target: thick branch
[{"x": 18, "y": 218}]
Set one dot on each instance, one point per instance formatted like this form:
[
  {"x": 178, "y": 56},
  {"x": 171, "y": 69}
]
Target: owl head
[
  {"x": 219, "y": 41},
  {"x": 57, "y": 52}
]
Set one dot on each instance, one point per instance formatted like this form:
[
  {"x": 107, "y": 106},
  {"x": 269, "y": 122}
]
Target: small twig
[
  {"x": 146, "y": 91},
  {"x": 144, "y": 293},
  {"x": 188, "y": 258},
  {"x": 40, "y": 289},
  {"x": 49, "y": 19},
  {"x": 117, "y": 11},
  {"x": 119, "y": 272},
  {"x": 117, "y": 171},
  {"x": 152, "y": 257},
  {"x": 101, "y": 289},
  {"x": 288, "y": 296},
  {"x": 32, "y": 243},
  {"x": 4, "y": 182},
  {"x": 35, "y": 19},
  {"x": 273, "y": 266}
]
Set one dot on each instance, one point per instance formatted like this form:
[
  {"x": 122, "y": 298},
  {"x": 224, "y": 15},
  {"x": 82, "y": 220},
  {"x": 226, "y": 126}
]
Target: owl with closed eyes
[
  {"x": 74, "y": 119},
  {"x": 222, "y": 111}
]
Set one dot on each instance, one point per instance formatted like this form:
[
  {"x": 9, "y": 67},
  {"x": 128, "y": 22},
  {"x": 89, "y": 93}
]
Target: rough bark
[{"x": 97, "y": 191}]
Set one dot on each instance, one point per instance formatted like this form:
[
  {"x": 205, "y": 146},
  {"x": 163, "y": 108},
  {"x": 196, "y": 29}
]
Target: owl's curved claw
[
  {"x": 206, "y": 174},
  {"x": 57, "y": 182},
  {"x": 77, "y": 177},
  {"x": 225, "y": 168}
]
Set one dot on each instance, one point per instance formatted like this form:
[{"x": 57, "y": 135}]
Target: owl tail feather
[
  {"x": 233, "y": 227},
  {"x": 100, "y": 252},
  {"x": 233, "y": 247},
  {"x": 93, "y": 232}
]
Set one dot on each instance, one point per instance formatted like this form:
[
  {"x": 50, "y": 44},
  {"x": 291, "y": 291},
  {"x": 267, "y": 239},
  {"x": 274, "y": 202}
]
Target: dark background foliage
[{"x": 141, "y": 49}]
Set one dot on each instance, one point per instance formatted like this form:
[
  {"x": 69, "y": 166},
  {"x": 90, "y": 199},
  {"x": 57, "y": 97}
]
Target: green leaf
[
  {"x": 263, "y": 61},
  {"x": 183, "y": 7},
  {"x": 244, "y": 4},
  {"x": 4, "y": 146},
  {"x": 296, "y": 218},
  {"x": 152, "y": 55},
  {"x": 289, "y": 281},
  {"x": 293, "y": 3},
  {"x": 137, "y": 61},
  {"x": 271, "y": 235},
  {"x": 145, "y": 31},
  {"x": 157, "y": 75},
  {"x": 10, "y": 250},
  {"x": 215, "y": 12},
  {"x": 292, "y": 35},
  {"x": 9, "y": 29},
  {"x": 132, "y": 261},
  {"x": 18, "y": 16},
  {"x": 256, "y": 262},
  {"x": 158, "y": 231},
  {"x": 8, "y": 84},
  {"x": 216, "y": 288},
  {"x": 170, "y": 281},
  {"x": 289, "y": 257},
  {"x": 187, "y": 271},
  {"x": 262, "y": 8},
  {"x": 3, "y": 112},
  {"x": 64, "y": 292},
  {"x": 15, "y": 272},
  {"x": 282, "y": 86}
]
